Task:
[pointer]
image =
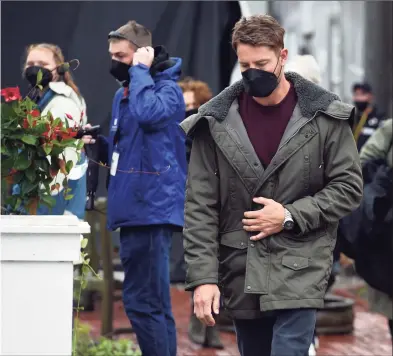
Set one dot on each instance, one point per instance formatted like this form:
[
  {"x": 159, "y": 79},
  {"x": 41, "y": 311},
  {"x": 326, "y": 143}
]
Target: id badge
[{"x": 115, "y": 161}]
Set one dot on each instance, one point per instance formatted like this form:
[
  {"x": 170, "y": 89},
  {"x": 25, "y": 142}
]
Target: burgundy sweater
[{"x": 265, "y": 125}]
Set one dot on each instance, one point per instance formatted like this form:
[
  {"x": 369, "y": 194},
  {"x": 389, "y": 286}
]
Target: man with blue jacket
[{"x": 146, "y": 153}]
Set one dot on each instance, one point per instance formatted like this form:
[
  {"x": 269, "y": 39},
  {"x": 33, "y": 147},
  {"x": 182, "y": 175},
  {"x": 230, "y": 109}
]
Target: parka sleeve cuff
[
  {"x": 300, "y": 228},
  {"x": 191, "y": 286}
]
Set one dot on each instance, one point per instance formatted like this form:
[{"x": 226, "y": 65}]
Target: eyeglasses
[{"x": 120, "y": 36}]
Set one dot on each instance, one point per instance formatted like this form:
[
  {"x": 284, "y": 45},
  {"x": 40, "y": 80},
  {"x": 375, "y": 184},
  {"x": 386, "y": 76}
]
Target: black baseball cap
[{"x": 365, "y": 87}]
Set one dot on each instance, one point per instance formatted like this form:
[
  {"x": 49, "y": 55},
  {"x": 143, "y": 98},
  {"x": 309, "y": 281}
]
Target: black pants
[{"x": 285, "y": 333}]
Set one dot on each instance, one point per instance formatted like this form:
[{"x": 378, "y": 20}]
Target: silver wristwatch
[{"x": 288, "y": 223}]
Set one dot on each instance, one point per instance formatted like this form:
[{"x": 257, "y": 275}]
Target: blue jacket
[{"x": 148, "y": 187}]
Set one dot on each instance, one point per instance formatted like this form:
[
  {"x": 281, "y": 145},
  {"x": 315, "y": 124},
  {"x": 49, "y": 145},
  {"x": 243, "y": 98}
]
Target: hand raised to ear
[{"x": 143, "y": 55}]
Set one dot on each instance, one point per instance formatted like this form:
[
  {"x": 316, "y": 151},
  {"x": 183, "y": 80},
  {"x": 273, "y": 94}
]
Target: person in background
[
  {"x": 379, "y": 147},
  {"x": 147, "y": 157},
  {"x": 273, "y": 168},
  {"x": 61, "y": 97},
  {"x": 306, "y": 66},
  {"x": 197, "y": 93},
  {"x": 368, "y": 118}
]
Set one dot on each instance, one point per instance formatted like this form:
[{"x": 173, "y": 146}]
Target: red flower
[
  {"x": 71, "y": 132},
  {"x": 35, "y": 113},
  {"x": 11, "y": 94},
  {"x": 69, "y": 117},
  {"x": 53, "y": 172},
  {"x": 26, "y": 123},
  {"x": 47, "y": 131},
  {"x": 68, "y": 134}
]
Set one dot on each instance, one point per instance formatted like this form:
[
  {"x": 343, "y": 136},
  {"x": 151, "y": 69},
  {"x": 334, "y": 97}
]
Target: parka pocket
[
  {"x": 233, "y": 254},
  {"x": 303, "y": 277},
  {"x": 237, "y": 239},
  {"x": 295, "y": 273},
  {"x": 295, "y": 263},
  {"x": 232, "y": 270}
]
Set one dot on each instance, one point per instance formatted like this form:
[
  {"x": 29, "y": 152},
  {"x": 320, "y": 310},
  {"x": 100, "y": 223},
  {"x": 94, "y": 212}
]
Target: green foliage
[
  {"x": 29, "y": 141},
  {"x": 104, "y": 347}
]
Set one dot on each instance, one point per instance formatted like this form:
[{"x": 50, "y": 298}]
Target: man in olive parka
[{"x": 273, "y": 169}]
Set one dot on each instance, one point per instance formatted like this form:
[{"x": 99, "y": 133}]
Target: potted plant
[
  {"x": 32, "y": 152},
  {"x": 37, "y": 252}
]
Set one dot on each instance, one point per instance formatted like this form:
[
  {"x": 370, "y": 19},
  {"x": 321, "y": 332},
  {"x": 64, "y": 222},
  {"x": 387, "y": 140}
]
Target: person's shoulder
[
  {"x": 340, "y": 110},
  {"x": 386, "y": 126},
  {"x": 61, "y": 88},
  {"x": 67, "y": 96}
]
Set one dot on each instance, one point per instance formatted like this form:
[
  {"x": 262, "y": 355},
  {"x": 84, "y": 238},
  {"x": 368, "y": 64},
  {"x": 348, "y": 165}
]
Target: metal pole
[{"x": 379, "y": 52}]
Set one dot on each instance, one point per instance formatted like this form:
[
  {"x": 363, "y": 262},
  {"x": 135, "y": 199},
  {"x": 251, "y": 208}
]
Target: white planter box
[{"x": 36, "y": 271}]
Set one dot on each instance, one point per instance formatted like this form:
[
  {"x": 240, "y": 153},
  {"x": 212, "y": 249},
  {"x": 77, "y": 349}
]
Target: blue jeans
[
  {"x": 284, "y": 333},
  {"x": 144, "y": 254}
]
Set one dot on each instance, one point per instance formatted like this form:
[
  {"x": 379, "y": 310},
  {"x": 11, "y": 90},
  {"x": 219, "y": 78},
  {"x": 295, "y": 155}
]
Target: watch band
[{"x": 287, "y": 216}]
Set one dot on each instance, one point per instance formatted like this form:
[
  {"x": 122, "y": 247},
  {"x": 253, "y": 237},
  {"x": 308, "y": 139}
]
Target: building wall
[
  {"x": 379, "y": 54},
  {"x": 351, "y": 41},
  {"x": 333, "y": 32}
]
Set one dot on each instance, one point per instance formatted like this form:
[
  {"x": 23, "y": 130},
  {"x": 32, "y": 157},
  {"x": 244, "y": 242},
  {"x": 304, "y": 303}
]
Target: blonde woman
[{"x": 60, "y": 96}]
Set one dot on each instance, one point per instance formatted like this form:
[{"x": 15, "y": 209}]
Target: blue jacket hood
[
  {"x": 171, "y": 73},
  {"x": 164, "y": 67}
]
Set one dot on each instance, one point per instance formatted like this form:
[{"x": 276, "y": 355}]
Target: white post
[{"x": 37, "y": 254}]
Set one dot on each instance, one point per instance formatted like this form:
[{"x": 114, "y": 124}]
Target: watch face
[{"x": 288, "y": 225}]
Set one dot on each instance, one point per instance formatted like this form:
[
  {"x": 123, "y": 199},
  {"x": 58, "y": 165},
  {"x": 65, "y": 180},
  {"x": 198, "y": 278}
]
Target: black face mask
[
  {"x": 31, "y": 74},
  {"x": 119, "y": 70},
  {"x": 191, "y": 112},
  {"x": 361, "y": 105},
  {"x": 260, "y": 83}
]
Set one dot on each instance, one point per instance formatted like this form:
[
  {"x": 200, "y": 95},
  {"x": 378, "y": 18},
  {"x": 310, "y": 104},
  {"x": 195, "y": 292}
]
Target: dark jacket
[
  {"x": 375, "y": 119},
  {"x": 315, "y": 174},
  {"x": 148, "y": 188},
  {"x": 379, "y": 146}
]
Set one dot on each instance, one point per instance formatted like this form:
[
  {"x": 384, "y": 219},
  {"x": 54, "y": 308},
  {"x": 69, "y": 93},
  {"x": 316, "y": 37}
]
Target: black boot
[
  {"x": 213, "y": 337},
  {"x": 196, "y": 330}
]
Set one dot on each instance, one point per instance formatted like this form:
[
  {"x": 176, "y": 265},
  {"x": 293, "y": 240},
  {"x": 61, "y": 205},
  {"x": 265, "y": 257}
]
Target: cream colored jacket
[{"x": 66, "y": 101}]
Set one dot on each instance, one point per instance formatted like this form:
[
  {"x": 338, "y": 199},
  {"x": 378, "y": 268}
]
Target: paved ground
[{"x": 371, "y": 335}]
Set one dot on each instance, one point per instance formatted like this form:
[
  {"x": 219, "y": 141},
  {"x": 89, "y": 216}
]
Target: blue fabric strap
[{"x": 44, "y": 101}]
